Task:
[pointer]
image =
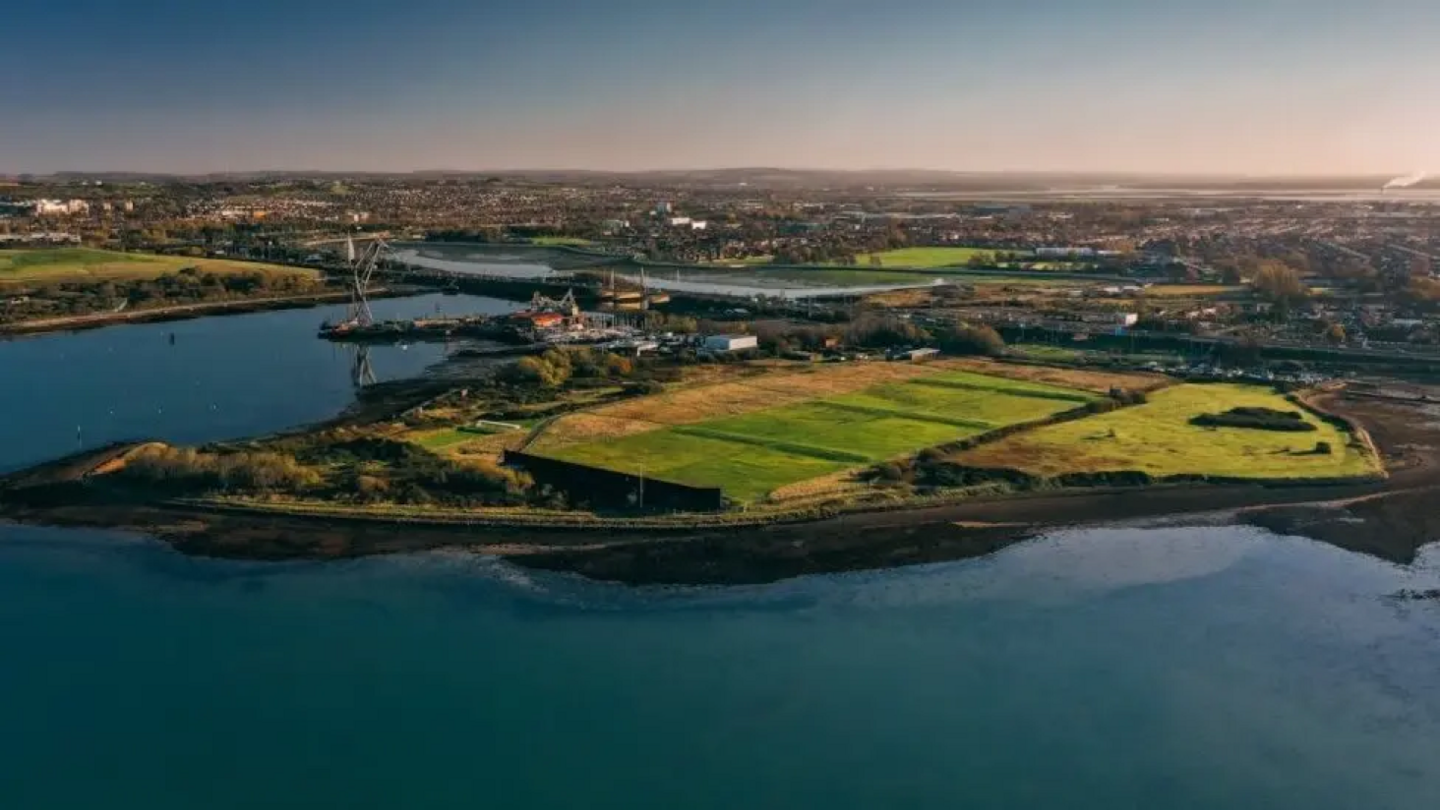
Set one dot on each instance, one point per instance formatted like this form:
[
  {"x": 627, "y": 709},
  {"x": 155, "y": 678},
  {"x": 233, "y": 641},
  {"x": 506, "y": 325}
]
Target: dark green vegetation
[{"x": 1256, "y": 418}]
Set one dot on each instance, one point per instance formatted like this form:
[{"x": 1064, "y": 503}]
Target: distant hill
[{"x": 775, "y": 177}]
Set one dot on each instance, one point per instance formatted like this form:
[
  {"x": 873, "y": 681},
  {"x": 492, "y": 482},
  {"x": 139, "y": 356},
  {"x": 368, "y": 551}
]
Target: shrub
[
  {"x": 1126, "y": 397},
  {"x": 645, "y": 387},
  {"x": 963, "y": 338},
  {"x": 1256, "y": 419},
  {"x": 890, "y": 472},
  {"x": 189, "y": 470}
]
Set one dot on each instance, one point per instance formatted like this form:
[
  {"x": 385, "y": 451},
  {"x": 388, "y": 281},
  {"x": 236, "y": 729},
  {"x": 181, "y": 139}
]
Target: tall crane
[{"x": 362, "y": 268}]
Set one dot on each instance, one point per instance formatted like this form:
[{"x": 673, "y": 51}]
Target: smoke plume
[{"x": 1406, "y": 181}]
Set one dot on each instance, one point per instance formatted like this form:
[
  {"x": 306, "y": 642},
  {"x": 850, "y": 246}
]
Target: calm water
[
  {"x": 476, "y": 259},
  {"x": 1176, "y": 667},
  {"x": 222, "y": 378},
  {"x": 746, "y": 283}
]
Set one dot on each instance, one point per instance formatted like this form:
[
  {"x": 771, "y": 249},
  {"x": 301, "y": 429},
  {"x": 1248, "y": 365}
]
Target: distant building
[
  {"x": 676, "y": 222},
  {"x": 698, "y": 224},
  {"x": 731, "y": 343},
  {"x": 663, "y": 208},
  {"x": 1111, "y": 318},
  {"x": 61, "y": 207},
  {"x": 1064, "y": 251},
  {"x": 914, "y": 355}
]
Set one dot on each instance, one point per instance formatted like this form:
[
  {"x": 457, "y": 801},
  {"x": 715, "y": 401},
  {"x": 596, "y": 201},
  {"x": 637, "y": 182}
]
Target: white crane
[{"x": 362, "y": 268}]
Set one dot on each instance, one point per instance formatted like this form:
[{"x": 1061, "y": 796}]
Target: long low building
[{"x": 731, "y": 343}]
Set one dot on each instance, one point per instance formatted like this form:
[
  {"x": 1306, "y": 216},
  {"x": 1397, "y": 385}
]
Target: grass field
[
  {"x": 561, "y": 241},
  {"x": 1189, "y": 290},
  {"x": 1157, "y": 438},
  {"x": 925, "y": 256},
  {"x": 82, "y": 264},
  {"x": 776, "y": 436},
  {"x": 445, "y": 439},
  {"x": 747, "y": 262},
  {"x": 845, "y": 277}
]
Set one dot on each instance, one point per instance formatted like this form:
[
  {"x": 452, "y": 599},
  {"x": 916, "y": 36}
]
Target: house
[{"x": 731, "y": 343}]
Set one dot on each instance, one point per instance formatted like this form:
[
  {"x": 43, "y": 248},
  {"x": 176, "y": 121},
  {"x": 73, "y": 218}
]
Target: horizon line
[{"x": 698, "y": 169}]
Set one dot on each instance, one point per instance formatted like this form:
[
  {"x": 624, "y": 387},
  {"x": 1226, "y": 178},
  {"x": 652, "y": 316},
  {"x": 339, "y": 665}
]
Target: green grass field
[
  {"x": 82, "y": 264},
  {"x": 754, "y": 453},
  {"x": 446, "y": 438},
  {"x": 748, "y": 261},
  {"x": 925, "y": 257},
  {"x": 1157, "y": 438},
  {"x": 561, "y": 241}
]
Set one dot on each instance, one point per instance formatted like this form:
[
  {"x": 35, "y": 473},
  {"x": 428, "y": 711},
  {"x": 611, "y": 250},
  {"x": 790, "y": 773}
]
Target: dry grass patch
[
  {"x": 836, "y": 484},
  {"x": 587, "y": 427},
  {"x": 693, "y": 404},
  {"x": 690, "y": 405},
  {"x": 1083, "y": 379}
]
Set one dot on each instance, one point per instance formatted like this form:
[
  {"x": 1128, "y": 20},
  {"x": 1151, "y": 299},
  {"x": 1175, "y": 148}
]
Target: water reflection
[
  {"x": 197, "y": 381},
  {"x": 361, "y": 372}
]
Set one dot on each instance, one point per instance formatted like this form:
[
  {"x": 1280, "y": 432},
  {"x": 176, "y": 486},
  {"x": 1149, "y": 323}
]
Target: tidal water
[
  {"x": 522, "y": 263},
  {"x": 1115, "y": 668},
  {"x": 219, "y": 378}
]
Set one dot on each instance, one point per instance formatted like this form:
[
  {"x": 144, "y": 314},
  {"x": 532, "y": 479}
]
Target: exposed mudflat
[{"x": 1390, "y": 520}]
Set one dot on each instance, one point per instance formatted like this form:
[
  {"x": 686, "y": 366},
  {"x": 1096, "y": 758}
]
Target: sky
[{"x": 1278, "y": 87}]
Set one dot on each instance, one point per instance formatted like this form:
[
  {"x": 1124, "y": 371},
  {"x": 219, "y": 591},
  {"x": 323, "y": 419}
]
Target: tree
[
  {"x": 541, "y": 371},
  {"x": 964, "y": 338},
  {"x": 1279, "y": 283},
  {"x": 1229, "y": 272}
]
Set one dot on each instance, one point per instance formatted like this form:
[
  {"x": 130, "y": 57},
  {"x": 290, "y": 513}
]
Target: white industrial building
[
  {"x": 60, "y": 207},
  {"x": 731, "y": 343}
]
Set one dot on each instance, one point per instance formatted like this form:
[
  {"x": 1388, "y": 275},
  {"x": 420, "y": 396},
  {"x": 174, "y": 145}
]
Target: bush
[
  {"x": 1256, "y": 419},
  {"x": 963, "y": 338},
  {"x": 890, "y": 472},
  {"x": 189, "y": 470},
  {"x": 645, "y": 387},
  {"x": 1125, "y": 397}
]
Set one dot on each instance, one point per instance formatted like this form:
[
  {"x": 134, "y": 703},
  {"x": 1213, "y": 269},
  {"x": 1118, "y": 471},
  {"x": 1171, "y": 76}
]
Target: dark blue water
[
  {"x": 1174, "y": 668},
  {"x": 222, "y": 378}
]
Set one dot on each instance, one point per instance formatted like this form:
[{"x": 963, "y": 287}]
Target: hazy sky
[{"x": 1255, "y": 86}]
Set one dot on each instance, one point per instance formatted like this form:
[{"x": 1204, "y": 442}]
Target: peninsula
[{"x": 748, "y": 469}]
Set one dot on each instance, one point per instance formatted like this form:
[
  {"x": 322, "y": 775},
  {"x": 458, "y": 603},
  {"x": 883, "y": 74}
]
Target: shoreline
[
  {"x": 1390, "y": 519},
  {"x": 185, "y": 312},
  {"x": 1377, "y": 519}
]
